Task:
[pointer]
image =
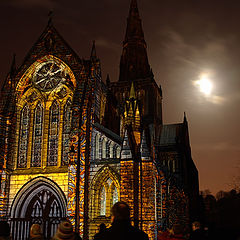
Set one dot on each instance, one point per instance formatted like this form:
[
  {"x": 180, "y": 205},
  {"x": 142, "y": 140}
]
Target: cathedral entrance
[{"x": 39, "y": 201}]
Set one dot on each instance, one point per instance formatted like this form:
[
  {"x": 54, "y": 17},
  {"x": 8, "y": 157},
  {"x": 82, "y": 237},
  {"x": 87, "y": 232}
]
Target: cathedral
[{"x": 72, "y": 144}]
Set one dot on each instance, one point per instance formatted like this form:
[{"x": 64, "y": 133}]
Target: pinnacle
[
  {"x": 133, "y": 9},
  {"x": 93, "y": 51},
  {"x": 132, "y": 92}
]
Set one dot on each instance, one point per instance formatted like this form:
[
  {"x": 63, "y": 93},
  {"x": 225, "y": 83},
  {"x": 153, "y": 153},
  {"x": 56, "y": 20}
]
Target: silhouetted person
[
  {"x": 4, "y": 230},
  {"x": 65, "y": 232},
  {"x": 121, "y": 226},
  {"x": 36, "y": 232},
  {"x": 100, "y": 234},
  {"x": 197, "y": 232}
]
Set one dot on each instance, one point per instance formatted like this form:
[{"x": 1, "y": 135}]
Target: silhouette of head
[
  {"x": 36, "y": 232},
  {"x": 121, "y": 211},
  {"x": 102, "y": 227},
  {"x": 196, "y": 225},
  {"x": 64, "y": 231}
]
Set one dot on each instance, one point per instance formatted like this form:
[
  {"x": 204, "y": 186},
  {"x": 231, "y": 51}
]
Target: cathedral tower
[{"x": 134, "y": 67}]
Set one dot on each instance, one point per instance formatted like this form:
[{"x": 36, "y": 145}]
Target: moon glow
[{"x": 205, "y": 85}]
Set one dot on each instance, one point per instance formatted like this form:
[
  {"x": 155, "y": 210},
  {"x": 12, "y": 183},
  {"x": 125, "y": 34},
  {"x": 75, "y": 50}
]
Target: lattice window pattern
[
  {"x": 37, "y": 137},
  {"x": 23, "y": 138},
  {"x": 66, "y": 132},
  {"x": 53, "y": 135}
]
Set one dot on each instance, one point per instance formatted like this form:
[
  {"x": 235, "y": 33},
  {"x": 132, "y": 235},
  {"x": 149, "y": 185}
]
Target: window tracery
[
  {"x": 23, "y": 138},
  {"x": 53, "y": 135},
  {"x": 66, "y": 132},
  {"x": 37, "y": 137}
]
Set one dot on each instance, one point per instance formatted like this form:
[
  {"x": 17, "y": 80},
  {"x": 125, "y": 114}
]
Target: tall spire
[
  {"x": 134, "y": 26},
  {"x": 134, "y": 61}
]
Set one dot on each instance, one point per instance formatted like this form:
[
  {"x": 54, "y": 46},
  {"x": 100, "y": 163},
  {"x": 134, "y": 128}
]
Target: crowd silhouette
[{"x": 220, "y": 219}]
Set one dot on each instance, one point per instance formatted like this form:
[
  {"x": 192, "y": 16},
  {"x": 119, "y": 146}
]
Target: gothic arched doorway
[{"x": 39, "y": 201}]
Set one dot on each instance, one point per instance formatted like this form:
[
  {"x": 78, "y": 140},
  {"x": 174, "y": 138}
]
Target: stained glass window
[
  {"x": 103, "y": 202},
  {"x": 114, "y": 196},
  {"x": 23, "y": 138},
  {"x": 66, "y": 132},
  {"x": 53, "y": 135},
  {"x": 37, "y": 136}
]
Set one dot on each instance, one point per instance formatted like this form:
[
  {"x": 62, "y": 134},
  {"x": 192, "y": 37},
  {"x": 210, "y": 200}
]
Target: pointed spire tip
[
  {"x": 50, "y": 17},
  {"x": 93, "y": 51},
  {"x": 132, "y": 91},
  {"x": 185, "y": 117}
]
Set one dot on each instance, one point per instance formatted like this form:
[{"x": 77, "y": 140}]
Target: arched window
[
  {"x": 103, "y": 202},
  {"x": 111, "y": 151},
  {"x": 37, "y": 136},
  {"x": 118, "y": 150},
  {"x": 53, "y": 135},
  {"x": 108, "y": 149},
  {"x": 97, "y": 146},
  {"x": 114, "y": 195},
  {"x": 23, "y": 138},
  {"x": 104, "y": 148},
  {"x": 66, "y": 132}
]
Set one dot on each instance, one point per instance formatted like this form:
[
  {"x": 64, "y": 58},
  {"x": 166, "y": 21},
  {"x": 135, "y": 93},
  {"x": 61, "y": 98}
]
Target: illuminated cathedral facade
[{"x": 72, "y": 145}]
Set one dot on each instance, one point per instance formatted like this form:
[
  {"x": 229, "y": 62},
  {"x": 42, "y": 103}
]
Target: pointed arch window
[
  {"x": 103, "y": 202},
  {"x": 53, "y": 135},
  {"x": 104, "y": 148},
  {"x": 23, "y": 138},
  {"x": 37, "y": 136},
  {"x": 66, "y": 131},
  {"x": 97, "y": 146},
  {"x": 114, "y": 195},
  {"x": 108, "y": 149}
]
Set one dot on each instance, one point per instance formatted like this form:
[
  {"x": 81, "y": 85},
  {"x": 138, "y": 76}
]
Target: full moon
[{"x": 204, "y": 85}]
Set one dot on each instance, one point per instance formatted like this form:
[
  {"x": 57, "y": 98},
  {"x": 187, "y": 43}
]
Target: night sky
[{"x": 186, "y": 39}]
